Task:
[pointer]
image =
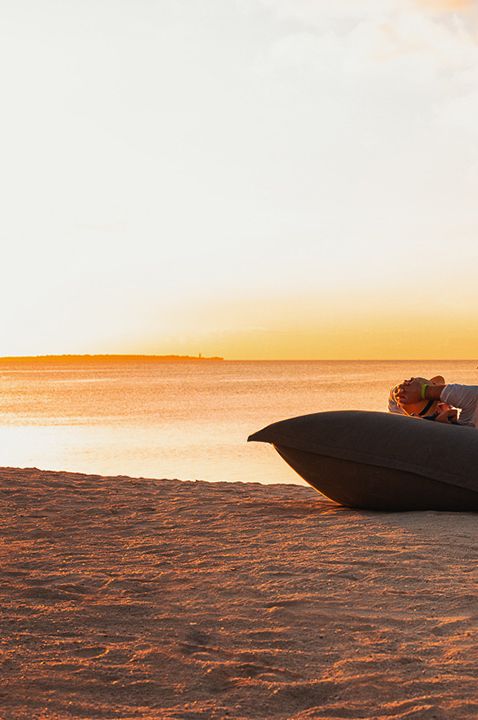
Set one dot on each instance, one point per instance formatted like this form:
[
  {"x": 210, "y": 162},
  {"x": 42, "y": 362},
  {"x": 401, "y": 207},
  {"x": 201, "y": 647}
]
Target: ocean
[{"x": 184, "y": 420}]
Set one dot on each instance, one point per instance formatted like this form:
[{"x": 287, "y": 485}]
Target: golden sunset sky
[{"x": 245, "y": 178}]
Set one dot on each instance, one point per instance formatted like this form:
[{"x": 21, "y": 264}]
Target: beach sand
[{"x": 133, "y": 598}]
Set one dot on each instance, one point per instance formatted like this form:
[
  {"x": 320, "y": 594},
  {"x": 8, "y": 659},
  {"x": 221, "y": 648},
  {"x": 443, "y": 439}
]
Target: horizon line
[{"x": 199, "y": 357}]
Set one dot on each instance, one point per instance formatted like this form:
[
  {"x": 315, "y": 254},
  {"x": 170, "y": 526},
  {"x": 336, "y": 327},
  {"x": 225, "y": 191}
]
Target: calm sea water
[{"x": 181, "y": 420}]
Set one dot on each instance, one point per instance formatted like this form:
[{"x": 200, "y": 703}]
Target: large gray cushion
[{"x": 381, "y": 450}]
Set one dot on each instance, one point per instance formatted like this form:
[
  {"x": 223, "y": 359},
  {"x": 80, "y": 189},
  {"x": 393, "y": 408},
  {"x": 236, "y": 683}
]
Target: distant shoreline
[
  {"x": 108, "y": 358},
  {"x": 118, "y": 358}
]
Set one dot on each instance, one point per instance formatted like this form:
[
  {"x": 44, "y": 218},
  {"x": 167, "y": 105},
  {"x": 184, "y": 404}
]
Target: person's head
[{"x": 425, "y": 409}]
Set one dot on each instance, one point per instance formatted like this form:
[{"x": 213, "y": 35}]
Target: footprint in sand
[{"x": 94, "y": 651}]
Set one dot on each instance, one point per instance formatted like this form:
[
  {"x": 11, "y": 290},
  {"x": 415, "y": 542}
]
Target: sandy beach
[{"x": 135, "y": 598}]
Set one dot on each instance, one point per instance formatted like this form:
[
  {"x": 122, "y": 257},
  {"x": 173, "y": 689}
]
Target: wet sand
[{"x": 160, "y": 599}]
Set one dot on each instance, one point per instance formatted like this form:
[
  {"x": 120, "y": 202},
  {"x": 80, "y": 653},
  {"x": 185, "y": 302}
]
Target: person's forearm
[
  {"x": 412, "y": 391},
  {"x": 433, "y": 392}
]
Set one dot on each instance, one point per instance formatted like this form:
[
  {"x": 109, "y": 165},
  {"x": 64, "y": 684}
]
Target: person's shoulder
[
  {"x": 464, "y": 397},
  {"x": 457, "y": 387}
]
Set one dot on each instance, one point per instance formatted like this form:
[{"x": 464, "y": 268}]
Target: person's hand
[
  {"x": 409, "y": 391},
  {"x": 447, "y": 414}
]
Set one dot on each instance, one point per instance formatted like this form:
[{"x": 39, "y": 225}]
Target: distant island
[{"x": 107, "y": 358}]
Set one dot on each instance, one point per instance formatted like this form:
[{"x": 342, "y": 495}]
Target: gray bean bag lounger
[{"x": 380, "y": 461}]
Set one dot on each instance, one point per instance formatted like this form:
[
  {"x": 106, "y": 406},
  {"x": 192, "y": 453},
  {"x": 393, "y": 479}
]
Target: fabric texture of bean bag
[{"x": 381, "y": 461}]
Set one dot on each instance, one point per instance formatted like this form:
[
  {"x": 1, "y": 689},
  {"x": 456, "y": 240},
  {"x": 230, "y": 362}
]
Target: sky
[{"x": 277, "y": 179}]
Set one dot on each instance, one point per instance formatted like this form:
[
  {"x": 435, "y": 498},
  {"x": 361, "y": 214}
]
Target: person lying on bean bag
[
  {"x": 463, "y": 397},
  {"x": 419, "y": 397}
]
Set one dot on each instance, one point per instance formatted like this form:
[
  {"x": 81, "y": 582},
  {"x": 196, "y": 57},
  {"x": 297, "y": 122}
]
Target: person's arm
[
  {"x": 464, "y": 397},
  {"x": 411, "y": 391}
]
